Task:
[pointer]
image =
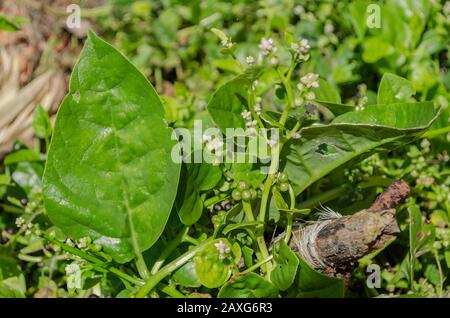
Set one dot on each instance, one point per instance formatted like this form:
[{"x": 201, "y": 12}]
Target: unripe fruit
[
  {"x": 236, "y": 195},
  {"x": 242, "y": 185},
  {"x": 283, "y": 186},
  {"x": 246, "y": 195},
  {"x": 253, "y": 194},
  {"x": 283, "y": 177}
]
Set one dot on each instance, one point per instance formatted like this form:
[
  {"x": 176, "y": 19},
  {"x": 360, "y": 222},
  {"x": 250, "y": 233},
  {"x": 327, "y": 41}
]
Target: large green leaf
[
  {"x": 195, "y": 178},
  {"x": 287, "y": 262},
  {"x": 109, "y": 173},
  {"x": 248, "y": 286},
  {"x": 311, "y": 283},
  {"x": 394, "y": 89},
  {"x": 352, "y": 137}
]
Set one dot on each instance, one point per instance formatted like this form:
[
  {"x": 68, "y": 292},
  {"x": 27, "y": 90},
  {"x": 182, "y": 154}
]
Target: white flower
[
  {"x": 267, "y": 46},
  {"x": 20, "y": 221},
  {"x": 227, "y": 43},
  {"x": 425, "y": 143},
  {"x": 446, "y": 8},
  {"x": 250, "y": 60},
  {"x": 298, "y": 10},
  {"x": 296, "y": 135},
  {"x": 255, "y": 83},
  {"x": 84, "y": 242},
  {"x": 206, "y": 138},
  {"x": 328, "y": 28},
  {"x": 274, "y": 61},
  {"x": 298, "y": 101},
  {"x": 310, "y": 80},
  {"x": 73, "y": 273},
  {"x": 222, "y": 248},
  {"x": 246, "y": 115},
  {"x": 215, "y": 144},
  {"x": 301, "y": 46},
  {"x": 300, "y": 86},
  {"x": 310, "y": 96}
]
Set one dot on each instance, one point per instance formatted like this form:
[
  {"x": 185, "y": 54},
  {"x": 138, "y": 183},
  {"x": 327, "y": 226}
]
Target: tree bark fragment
[{"x": 333, "y": 246}]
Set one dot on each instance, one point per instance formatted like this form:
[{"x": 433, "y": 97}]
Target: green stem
[
  {"x": 436, "y": 132},
  {"x": 141, "y": 266},
  {"x": 190, "y": 239},
  {"x": 290, "y": 216},
  {"x": 171, "y": 291},
  {"x": 290, "y": 94},
  {"x": 169, "y": 268},
  {"x": 256, "y": 266},
  {"x": 169, "y": 249},
  {"x": 248, "y": 210},
  {"x": 98, "y": 264}
]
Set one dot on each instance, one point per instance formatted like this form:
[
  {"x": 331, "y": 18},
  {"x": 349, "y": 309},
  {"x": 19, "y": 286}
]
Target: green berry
[
  {"x": 253, "y": 194},
  {"x": 236, "y": 195},
  {"x": 246, "y": 195},
  {"x": 242, "y": 185},
  {"x": 283, "y": 177},
  {"x": 283, "y": 186}
]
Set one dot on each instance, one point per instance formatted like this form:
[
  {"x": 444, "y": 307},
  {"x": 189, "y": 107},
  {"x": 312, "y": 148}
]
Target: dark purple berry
[
  {"x": 217, "y": 207},
  {"x": 4, "y": 240},
  {"x": 24, "y": 201},
  {"x": 227, "y": 206}
]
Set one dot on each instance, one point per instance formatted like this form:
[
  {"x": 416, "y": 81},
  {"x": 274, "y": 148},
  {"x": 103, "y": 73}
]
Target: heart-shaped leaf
[{"x": 109, "y": 173}]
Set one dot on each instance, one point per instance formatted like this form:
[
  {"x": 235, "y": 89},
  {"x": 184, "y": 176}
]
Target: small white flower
[
  {"x": 446, "y": 8},
  {"x": 206, "y": 138},
  {"x": 246, "y": 115},
  {"x": 310, "y": 80},
  {"x": 359, "y": 107},
  {"x": 255, "y": 83},
  {"x": 298, "y": 102},
  {"x": 30, "y": 225},
  {"x": 84, "y": 242},
  {"x": 298, "y": 10},
  {"x": 301, "y": 46},
  {"x": 425, "y": 143},
  {"x": 328, "y": 28},
  {"x": 215, "y": 144},
  {"x": 27, "y": 232},
  {"x": 300, "y": 86},
  {"x": 296, "y": 135},
  {"x": 20, "y": 221},
  {"x": 267, "y": 46},
  {"x": 222, "y": 248},
  {"x": 73, "y": 273},
  {"x": 250, "y": 60},
  {"x": 227, "y": 43},
  {"x": 310, "y": 96},
  {"x": 274, "y": 61},
  {"x": 69, "y": 242}
]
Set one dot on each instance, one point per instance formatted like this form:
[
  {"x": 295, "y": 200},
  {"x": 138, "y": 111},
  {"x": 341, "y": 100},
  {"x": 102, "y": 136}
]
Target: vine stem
[
  {"x": 264, "y": 253},
  {"x": 290, "y": 216},
  {"x": 169, "y": 268},
  {"x": 169, "y": 249},
  {"x": 255, "y": 266},
  {"x": 98, "y": 264}
]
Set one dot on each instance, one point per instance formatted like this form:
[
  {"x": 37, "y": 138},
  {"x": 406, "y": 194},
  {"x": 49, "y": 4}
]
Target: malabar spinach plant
[{"x": 139, "y": 223}]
